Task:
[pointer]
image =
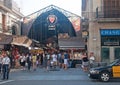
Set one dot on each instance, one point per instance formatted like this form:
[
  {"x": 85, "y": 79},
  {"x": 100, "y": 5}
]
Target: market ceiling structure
[{"x": 38, "y": 26}]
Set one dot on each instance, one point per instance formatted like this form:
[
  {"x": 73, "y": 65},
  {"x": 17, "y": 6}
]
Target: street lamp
[{"x": 57, "y": 34}]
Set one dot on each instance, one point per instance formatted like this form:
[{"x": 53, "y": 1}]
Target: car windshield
[{"x": 114, "y": 62}]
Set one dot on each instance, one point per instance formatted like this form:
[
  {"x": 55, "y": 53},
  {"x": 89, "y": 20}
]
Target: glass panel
[
  {"x": 105, "y": 54},
  {"x": 117, "y": 53},
  {"x": 110, "y": 41}
]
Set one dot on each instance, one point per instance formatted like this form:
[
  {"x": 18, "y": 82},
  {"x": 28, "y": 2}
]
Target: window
[
  {"x": 110, "y": 41},
  {"x": 14, "y": 30},
  {"x": 105, "y": 54},
  {"x": 111, "y": 8},
  {"x": 117, "y": 53}
]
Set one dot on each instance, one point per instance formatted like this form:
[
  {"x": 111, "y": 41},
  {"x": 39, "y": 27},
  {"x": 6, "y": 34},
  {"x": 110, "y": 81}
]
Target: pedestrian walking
[
  {"x": 59, "y": 59},
  {"x": 85, "y": 62},
  {"x": 45, "y": 61},
  {"x": 1, "y": 57},
  {"x": 6, "y": 66},
  {"x": 29, "y": 61},
  {"x": 34, "y": 60},
  {"x": 22, "y": 61},
  {"x": 41, "y": 59},
  {"x": 66, "y": 56},
  {"x": 54, "y": 59},
  {"x": 91, "y": 59},
  {"x": 48, "y": 61}
]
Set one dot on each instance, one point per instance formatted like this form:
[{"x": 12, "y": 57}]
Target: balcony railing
[{"x": 108, "y": 12}]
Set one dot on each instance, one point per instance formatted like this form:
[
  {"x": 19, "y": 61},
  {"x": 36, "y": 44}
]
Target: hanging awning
[
  {"x": 71, "y": 43},
  {"x": 21, "y": 41},
  {"x": 27, "y": 42},
  {"x": 5, "y": 39}
]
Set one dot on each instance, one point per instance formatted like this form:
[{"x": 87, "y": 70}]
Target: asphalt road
[{"x": 71, "y": 76}]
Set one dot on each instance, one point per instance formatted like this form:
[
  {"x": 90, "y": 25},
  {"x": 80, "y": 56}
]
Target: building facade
[
  {"x": 56, "y": 28},
  {"x": 101, "y": 19},
  {"x": 10, "y": 17},
  {"x": 10, "y": 21}
]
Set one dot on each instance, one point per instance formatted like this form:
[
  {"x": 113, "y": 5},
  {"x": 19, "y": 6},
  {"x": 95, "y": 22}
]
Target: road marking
[{"x": 3, "y": 82}]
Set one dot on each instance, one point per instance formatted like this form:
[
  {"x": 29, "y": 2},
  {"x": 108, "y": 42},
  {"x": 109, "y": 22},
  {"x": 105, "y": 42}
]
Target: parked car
[{"x": 105, "y": 73}]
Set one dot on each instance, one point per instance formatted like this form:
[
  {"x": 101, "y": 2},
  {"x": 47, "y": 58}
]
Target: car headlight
[{"x": 94, "y": 71}]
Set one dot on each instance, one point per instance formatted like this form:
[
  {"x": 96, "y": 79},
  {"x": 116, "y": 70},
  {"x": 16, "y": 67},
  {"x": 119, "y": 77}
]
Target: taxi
[{"x": 105, "y": 73}]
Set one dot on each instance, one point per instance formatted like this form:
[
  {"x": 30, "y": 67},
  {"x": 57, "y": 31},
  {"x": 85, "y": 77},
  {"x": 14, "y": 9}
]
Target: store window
[
  {"x": 117, "y": 53},
  {"x": 110, "y": 41},
  {"x": 105, "y": 54}
]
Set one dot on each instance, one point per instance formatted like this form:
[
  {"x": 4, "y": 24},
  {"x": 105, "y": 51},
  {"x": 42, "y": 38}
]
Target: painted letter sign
[{"x": 109, "y": 32}]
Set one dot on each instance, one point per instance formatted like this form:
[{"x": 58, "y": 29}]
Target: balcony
[{"x": 108, "y": 14}]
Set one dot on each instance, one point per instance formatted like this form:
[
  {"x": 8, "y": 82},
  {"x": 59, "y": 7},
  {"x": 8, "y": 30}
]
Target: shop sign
[
  {"x": 109, "y": 32},
  {"x": 51, "y": 27},
  {"x": 111, "y": 43},
  {"x": 51, "y": 19}
]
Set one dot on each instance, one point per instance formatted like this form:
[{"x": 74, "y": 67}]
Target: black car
[{"x": 105, "y": 73}]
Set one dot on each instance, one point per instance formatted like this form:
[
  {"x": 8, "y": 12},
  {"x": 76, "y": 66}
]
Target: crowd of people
[
  {"x": 47, "y": 60},
  {"x": 32, "y": 61},
  {"x": 54, "y": 59}
]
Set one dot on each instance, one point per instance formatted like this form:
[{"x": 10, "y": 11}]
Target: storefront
[
  {"x": 5, "y": 41},
  {"x": 110, "y": 44},
  {"x": 75, "y": 47}
]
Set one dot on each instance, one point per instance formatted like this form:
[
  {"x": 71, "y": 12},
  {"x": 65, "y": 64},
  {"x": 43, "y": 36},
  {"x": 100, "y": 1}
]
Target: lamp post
[{"x": 57, "y": 33}]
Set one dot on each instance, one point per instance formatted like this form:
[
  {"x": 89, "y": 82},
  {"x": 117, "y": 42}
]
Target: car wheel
[{"x": 104, "y": 76}]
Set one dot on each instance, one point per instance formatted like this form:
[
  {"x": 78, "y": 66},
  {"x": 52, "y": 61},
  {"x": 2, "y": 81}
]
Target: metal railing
[{"x": 108, "y": 12}]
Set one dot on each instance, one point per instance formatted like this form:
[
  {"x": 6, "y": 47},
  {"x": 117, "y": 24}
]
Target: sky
[{"x": 31, "y": 6}]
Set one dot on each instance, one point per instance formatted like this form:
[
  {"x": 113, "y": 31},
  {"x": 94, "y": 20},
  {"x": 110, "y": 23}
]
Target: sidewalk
[
  {"x": 42, "y": 74},
  {"x": 14, "y": 70}
]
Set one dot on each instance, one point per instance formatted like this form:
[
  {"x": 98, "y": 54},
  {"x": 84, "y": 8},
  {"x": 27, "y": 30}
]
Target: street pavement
[
  {"x": 42, "y": 74},
  {"x": 72, "y": 76}
]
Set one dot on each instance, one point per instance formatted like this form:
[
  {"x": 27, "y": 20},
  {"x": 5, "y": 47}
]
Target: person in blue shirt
[{"x": 66, "y": 56}]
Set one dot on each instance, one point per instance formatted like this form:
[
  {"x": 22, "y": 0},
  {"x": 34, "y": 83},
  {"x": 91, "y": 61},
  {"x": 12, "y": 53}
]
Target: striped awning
[{"x": 21, "y": 41}]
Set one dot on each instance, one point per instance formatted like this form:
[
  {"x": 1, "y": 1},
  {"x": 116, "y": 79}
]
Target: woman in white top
[
  {"x": 54, "y": 59},
  {"x": 6, "y": 66},
  {"x": 22, "y": 61},
  {"x": 91, "y": 59}
]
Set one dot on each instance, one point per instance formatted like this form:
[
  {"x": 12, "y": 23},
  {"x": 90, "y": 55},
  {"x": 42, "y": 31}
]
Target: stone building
[
  {"x": 101, "y": 19},
  {"x": 10, "y": 17},
  {"x": 10, "y": 21}
]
